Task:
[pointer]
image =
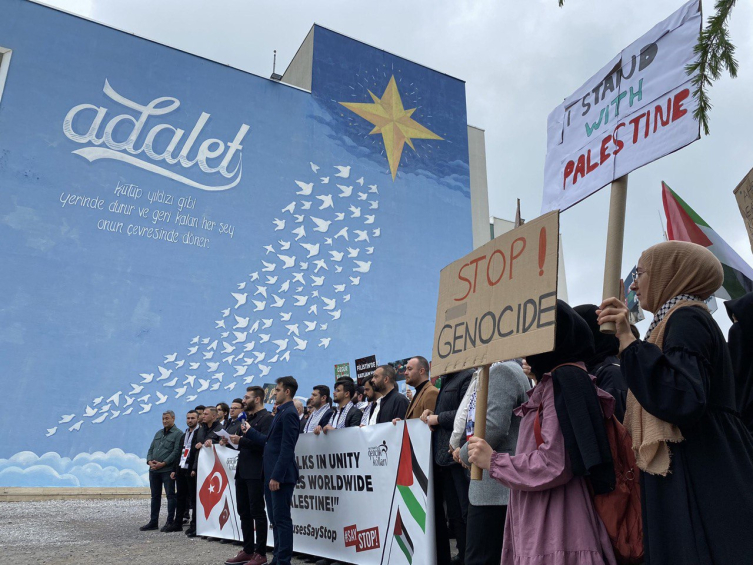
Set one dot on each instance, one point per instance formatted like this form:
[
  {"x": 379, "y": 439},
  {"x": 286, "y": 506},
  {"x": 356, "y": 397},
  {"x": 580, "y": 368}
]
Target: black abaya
[
  {"x": 701, "y": 513},
  {"x": 741, "y": 351}
]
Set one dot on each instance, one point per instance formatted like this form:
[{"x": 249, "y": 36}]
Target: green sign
[{"x": 342, "y": 370}]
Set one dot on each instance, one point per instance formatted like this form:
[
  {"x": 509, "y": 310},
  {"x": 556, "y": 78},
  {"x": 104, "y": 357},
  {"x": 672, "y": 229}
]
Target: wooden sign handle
[
  {"x": 615, "y": 237},
  {"x": 479, "y": 427}
]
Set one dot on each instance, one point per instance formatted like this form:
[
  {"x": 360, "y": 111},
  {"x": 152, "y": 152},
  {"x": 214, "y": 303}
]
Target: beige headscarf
[{"x": 672, "y": 268}]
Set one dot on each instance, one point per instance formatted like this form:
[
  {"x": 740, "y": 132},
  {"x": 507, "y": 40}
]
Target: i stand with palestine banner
[{"x": 364, "y": 495}]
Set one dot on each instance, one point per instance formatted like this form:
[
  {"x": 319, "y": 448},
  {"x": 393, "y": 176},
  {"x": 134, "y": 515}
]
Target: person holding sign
[
  {"x": 551, "y": 518},
  {"x": 689, "y": 439}
]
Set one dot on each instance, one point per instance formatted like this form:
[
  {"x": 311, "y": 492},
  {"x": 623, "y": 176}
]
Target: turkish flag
[
  {"x": 225, "y": 515},
  {"x": 213, "y": 487}
]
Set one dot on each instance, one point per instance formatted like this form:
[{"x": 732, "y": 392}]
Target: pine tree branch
[{"x": 715, "y": 54}]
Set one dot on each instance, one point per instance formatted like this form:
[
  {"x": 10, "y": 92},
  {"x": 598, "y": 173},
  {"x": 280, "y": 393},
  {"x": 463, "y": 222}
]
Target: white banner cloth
[
  {"x": 637, "y": 109},
  {"x": 364, "y": 496}
]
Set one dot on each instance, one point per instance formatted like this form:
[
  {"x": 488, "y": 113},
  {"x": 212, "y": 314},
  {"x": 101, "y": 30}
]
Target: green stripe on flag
[
  {"x": 414, "y": 507},
  {"x": 406, "y": 551}
]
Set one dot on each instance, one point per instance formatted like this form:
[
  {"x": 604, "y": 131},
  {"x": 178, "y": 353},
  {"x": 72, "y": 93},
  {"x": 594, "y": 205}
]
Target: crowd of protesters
[{"x": 680, "y": 400}]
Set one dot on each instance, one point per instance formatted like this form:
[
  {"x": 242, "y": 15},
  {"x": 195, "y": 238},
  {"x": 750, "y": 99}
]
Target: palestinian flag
[
  {"x": 683, "y": 224},
  {"x": 402, "y": 538},
  {"x": 412, "y": 482}
]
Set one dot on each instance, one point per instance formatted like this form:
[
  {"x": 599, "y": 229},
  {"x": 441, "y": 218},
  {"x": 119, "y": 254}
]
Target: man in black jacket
[
  {"x": 391, "y": 404},
  {"x": 205, "y": 436},
  {"x": 345, "y": 414},
  {"x": 249, "y": 480},
  {"x": 184, "y": 476},
  {"x": 450, "y": 481},
  {"x": 233, "y": 425}
]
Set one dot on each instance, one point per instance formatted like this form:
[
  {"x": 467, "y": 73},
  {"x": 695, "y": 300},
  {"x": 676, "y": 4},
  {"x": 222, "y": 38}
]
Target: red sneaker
[{"x": 258, "y": 559}]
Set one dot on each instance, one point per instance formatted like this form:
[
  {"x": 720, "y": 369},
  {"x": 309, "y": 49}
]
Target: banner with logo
[
  {"x": 364, "y": 495},
  {"x": 636, "y": 109}
]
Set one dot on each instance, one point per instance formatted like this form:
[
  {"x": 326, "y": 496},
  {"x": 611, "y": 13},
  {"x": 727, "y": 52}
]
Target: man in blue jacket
[{"x": 280, "y": 468}]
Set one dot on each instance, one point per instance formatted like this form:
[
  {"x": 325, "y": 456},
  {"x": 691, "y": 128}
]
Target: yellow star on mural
[{"x": 393, "y": 121}]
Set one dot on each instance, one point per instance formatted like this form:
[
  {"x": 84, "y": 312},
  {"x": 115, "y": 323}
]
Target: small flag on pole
[
  {"x": 403, "y": 539},
  {"x": 412, "y": 481}
]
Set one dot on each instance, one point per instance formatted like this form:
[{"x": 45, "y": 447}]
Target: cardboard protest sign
[
  {"x": 499, "y": 302},
  {"x": 636, "y": 109},
  {"x": 342, "y": 370},
  {"x": 744, "y": 196},
  {"x": 365, "y": 368}
]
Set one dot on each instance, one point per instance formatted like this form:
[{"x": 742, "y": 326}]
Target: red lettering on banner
[
  {"x": 350, "y": 533},
  {"x": 368, "y": 539}
]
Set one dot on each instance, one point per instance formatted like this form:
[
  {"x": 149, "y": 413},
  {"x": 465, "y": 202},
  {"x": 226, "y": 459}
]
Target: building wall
[
  {"x": 282, "y": 243},
  {"x": 299, "y": 70},
  {"x": 479, "y": 187}
]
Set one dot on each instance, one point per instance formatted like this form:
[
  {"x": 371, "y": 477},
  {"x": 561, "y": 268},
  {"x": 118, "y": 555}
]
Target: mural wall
[{"x": 172, "y": 230}]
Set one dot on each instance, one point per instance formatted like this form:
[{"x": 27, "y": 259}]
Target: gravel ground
[{"x": 88, "y": 532}]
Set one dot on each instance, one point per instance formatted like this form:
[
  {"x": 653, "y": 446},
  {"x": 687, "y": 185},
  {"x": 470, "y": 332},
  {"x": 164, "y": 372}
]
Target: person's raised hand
[
  {"x": 327, "y": 428},
  {"x": 395, "y": 421},
  {"x": 613, "y": 310},
  {"x": 223, "y": 441},
  {"x": 317, "y": 430},
  {"x": 208, "y": 443},
  {"x": 479, "y": 453},
  {"x": 235, "y": 439}
]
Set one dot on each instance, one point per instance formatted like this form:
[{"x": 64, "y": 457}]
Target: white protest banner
[
  {"x": 499, "y": 301},
  {"x": 744, "y": 196},
  {"x": 636, "y": 109},
  {"x": 364, "y": 496}
]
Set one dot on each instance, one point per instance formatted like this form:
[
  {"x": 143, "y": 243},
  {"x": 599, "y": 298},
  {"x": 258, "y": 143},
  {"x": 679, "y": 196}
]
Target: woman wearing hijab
[
  {"x": 696, "y": 454},
  {"x": 550, "y": 517},
  {"x": 604, "y": 364},
  {"x": 741, "y": 350}
]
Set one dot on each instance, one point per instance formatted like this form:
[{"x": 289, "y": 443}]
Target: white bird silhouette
[
  {"x": 361, "y": 235},
  {"x": 97, "y": 400},
  {"x": 181, "y": 391},
  {"x": 306, "y": 188},
  {"x": 355, "y": 211},
  {"x": 300, "y": 344},
  {"x": 203, "y": 385},
  {"x": 128, "y": 401},
  {"x": 227, "y": 348},
  {"x": 369, "y": 219},
  {"x": 355, "y": 281},
  {"x": 303, "y": 265},
  {"x": 190, "y": 379},
  {"x": 373, "y": 204},
  {"x": 321, "y": 225},
  {"x": 146, "y": 377},
  {"x": 145, "y": 408},
  {"x": 344, "y": 172},
  {"x": 172, "y": 382},
  {"x": 360, "y": 181},
  {"x": 241, "y": 286},
  {"x": 135, "y": 389},
  {"x": 346, "y": 190},
  {"x": 164, "y": 373},
  {"x": 259, "y": 305},
  {"x": 279, "y": 223},
  {"x": 114, "y": 414},
  {"x": 284, "y": 245},
  {"x": 292, "y": 329},
  {"x": 51, "y": 431},
  {"x": 317, "y": 281},
  {"x": 279, "y": 302},
  {"x": 268, "y": 267},
  {"x": 99, "y": 420},
  {"x": 363, "y": 266},
  {"x": 179, "y": 364},
  {"x": 261, "y": 290},
  {"x": 298, "y": 277},
  {"x": 284, "y": 287},
  {"x": 162, "y": 398},
  {"x": 240, "y": 337},
  {"x": 353, "y": 252},
  {"x": 208, "y": 354},
  {"x": 269, "y": 249},
  {"x": 271, "y": 280},
  {"x": 376, "y": 232},
  {"x": 314, "y": 167},
  {"x": 337, "y": 255},
  {"x": 231, "y": 386},
  {"x": 212, "y": 366},
  {"x": 342, "y": 233},
  {"x": 323, "y": 327},
  {"x": 254, "y": 276},
  {"x": 310, "y": 326},
  {"x": 289, "y": 208},
  {"x": 217, "y": 377},
  {"x": 249, "y": 346},
  {"x": 104, "y": 408},
  {"x": 362, "y": 196},
  {"x": 66, "y": 418},
  {"x": 248, "y": 380},
  {"x": 338, "y": 217},
  {"x": 192, "y": 397},
  {"x": 324, "y": 342},
  {"x": 324, "y": 180},
  {"x": 330, "y": 303},
  {"x": 285, "y": 316},
  {"x": 264, "y": 370},
  {"x": 266, "y": 322},
  {"x": 264, "y": 338},
  {"x": 328, "y": 240},
  {"x": 326, "y": 201},
  {"x": 300, "y": 300},
  {"x": 193, "y": 366},
  {"x": 219, "y": 323},
  {"x": 373, "y": 189},
  {"x": 170, "y": 358},
  {"x": 240, "y": 323},
  {"x": 335, "y": 315},
  {"x": 281, "y": 344},
  {"x": 299, "y": 218},
  {"x": 312, "y": 248},
  {"x": 320, "y": 264},
  {"x": 260, "y": 355},
  {"x": 288, "y": 262},
  {"x": 196, "y": 339},
  {"x": 369, "y": 250},
  {"x": 339, "y": 287},
  {"x": 144, "y": 398},
  {"x": 76, "y": 427},
  {"x": 313, "y": 310},
  {"x": 299, "y": 232},
  {"x": 228, "y": 359},
  {"x": 192, "y": 350},
  {"x": 240, "y": 299}
]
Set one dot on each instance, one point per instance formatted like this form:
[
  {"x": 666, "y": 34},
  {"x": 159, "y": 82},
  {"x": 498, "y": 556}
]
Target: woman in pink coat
[{"x": 551, "y": 519}]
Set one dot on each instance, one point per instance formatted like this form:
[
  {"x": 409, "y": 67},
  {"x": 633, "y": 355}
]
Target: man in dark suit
[
  {"x": 280, "y": 468},
  {"x": 182, "y": 473},
  {"x": 321, "y": 409},
  {"x": 249, "y": 479},
  {"x": 391, "y": 404},
  {"x": 205, "y": 436},
  {"x": 233, "y": 425}
]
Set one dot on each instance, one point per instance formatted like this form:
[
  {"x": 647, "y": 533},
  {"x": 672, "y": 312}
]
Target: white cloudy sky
[{"x": 519, "y": 60}]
